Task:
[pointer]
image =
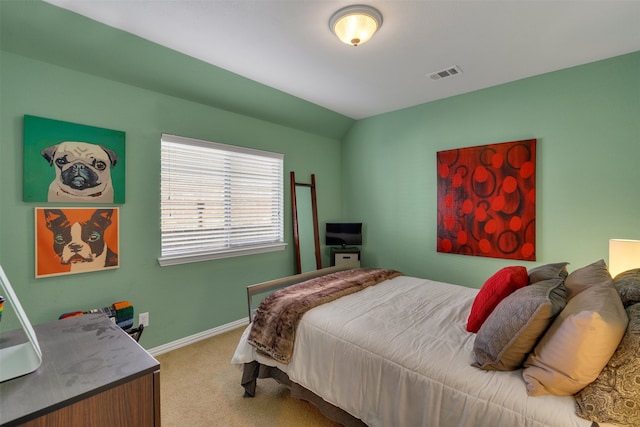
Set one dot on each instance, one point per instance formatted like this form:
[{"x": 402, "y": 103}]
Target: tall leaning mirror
[{"x": 305, "y": 225}]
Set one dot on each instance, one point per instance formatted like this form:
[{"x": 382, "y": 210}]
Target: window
[{"x": 218, "y": 201}]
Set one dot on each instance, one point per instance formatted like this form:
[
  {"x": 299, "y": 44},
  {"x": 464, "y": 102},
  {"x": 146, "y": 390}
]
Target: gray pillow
[
  {"x": 594, "y": 274},
  {"x": 514, "y": 327},
  {"x": 628, "y": 286},
  {"x": 614, "y": 397},
  {"x": 548, "y": 271}
]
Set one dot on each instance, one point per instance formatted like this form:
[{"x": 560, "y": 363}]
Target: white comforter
[{"x": 398, "y": 354}]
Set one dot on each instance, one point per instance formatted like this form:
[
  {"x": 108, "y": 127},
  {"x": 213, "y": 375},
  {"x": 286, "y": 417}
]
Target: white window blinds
[{"x": 218, "y": 200}]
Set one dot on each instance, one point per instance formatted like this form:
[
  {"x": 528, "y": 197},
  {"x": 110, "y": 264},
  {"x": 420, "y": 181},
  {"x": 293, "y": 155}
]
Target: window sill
[{"x": 186, "y": 259}]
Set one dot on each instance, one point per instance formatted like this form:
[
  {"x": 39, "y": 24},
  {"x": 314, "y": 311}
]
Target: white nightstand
[{"x": 344, "y": 255}]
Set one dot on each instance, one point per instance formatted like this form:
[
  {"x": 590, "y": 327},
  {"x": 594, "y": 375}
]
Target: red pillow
[{"x": 494, "y": 290}]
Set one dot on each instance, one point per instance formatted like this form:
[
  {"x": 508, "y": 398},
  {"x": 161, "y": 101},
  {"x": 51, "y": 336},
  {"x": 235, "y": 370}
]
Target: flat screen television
[{"x": 343, "y": 233}]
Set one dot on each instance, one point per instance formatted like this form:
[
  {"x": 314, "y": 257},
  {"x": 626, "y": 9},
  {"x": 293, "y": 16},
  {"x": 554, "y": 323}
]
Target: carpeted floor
[{"x": 200, "y": 387}]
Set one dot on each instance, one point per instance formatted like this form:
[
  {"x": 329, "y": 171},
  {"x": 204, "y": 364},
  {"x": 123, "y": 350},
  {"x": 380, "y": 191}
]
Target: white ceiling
[{"x": 287, "y": 44}]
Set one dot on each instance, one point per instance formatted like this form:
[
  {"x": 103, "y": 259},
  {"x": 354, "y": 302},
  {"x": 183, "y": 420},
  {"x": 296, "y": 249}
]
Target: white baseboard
[{"x": 174, "y": 345}]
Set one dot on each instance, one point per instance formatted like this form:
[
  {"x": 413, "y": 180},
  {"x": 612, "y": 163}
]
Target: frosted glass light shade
[
  {"x": 355, "y": 25},
  {"x": 623, "y": 255}
]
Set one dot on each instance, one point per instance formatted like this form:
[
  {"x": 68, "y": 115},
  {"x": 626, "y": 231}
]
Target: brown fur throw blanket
[{"x": 275, "y": 321}]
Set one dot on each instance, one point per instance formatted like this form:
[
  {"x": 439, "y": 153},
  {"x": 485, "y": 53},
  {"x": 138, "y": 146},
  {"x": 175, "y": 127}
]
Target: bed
[{"x": 398, "y": 353}]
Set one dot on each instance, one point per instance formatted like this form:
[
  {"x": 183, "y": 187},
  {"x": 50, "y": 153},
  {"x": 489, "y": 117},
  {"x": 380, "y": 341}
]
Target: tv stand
[{"x": 344, "y": 254}]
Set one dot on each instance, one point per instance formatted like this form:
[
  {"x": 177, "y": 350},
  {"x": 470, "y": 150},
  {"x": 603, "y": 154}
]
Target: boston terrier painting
[{"x": 81, "y": 245}]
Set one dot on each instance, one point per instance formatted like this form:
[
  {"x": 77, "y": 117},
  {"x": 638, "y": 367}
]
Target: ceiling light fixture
[{"x": 356, "y": 24}]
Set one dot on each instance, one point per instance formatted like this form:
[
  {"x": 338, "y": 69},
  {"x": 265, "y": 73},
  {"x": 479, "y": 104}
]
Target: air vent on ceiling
[{"x": 447, "y": 72}]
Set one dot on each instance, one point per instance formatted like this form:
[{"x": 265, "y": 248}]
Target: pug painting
[
  {"x": 80, "y": 244},
  {"x": 83, "y": 172}
]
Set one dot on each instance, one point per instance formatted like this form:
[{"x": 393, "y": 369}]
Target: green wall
[
  {"x": 60, "y": 65},
  {"x": 586, "y": 120},
  {"x": 50, "y": 34},
  {"x": 182, "y": 300},
  {"x": 587, "y": 123}
]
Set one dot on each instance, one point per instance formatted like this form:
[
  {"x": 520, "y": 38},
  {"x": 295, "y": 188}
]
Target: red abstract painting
[{"x": 487, "y": 200}]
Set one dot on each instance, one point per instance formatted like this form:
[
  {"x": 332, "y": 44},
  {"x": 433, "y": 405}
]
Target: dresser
[{"x": 92, "y": 374}]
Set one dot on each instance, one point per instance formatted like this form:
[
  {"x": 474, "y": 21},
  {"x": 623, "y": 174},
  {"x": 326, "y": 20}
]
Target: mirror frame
[
  {"x": 24, "y": 358},
  {"x": 314, "y": 212}
]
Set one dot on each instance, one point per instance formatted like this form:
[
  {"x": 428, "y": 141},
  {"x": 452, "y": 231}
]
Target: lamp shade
[
  {"x": 355, "y": 25},
  {"x": 623, "y": 255}
]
